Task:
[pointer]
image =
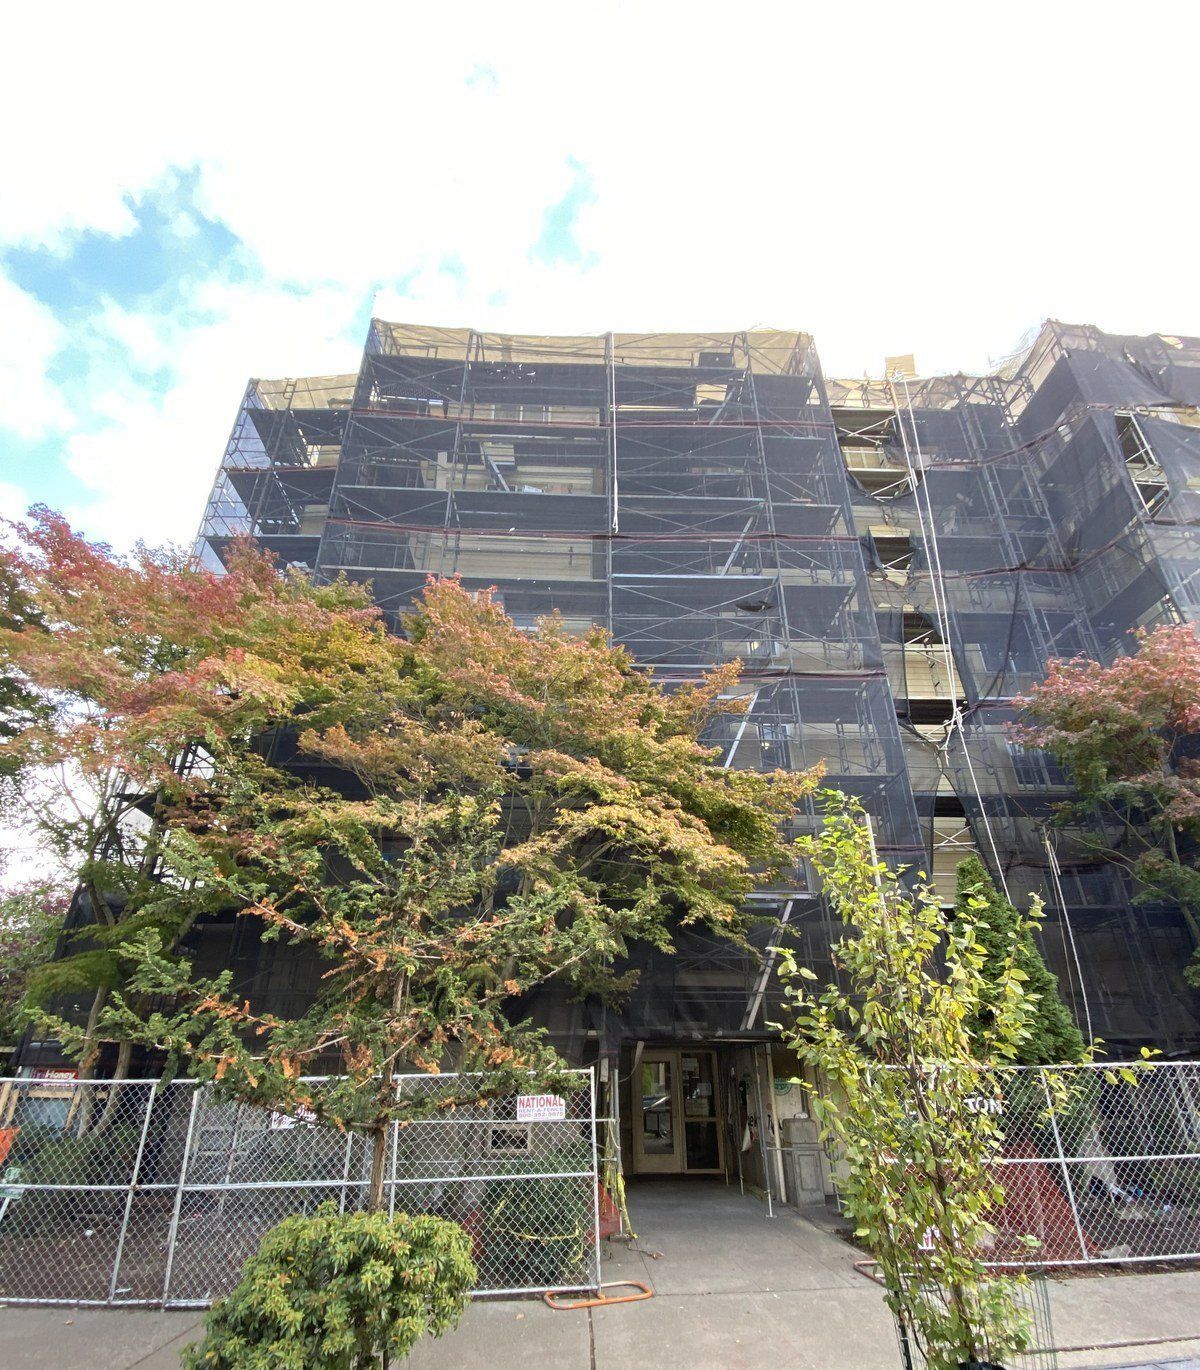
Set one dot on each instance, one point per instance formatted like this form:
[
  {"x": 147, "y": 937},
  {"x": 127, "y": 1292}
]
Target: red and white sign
[
  {"x": 61, "y": 1078},
  {"x": 540, "y": 1108}
]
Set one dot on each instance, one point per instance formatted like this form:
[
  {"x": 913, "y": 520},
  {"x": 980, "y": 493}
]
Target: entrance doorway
[{"x": 677, "y": 1126}]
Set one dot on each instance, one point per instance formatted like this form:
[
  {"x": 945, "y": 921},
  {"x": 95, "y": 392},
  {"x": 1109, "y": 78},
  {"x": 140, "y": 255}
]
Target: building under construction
[{"x": 893, "y": 562}]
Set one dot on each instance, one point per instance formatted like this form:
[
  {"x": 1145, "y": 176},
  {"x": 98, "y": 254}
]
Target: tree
[
  {"x": 1052, "y": 1034},
  {"x": 442, "y": 822},
  {"x": 904, "y": 1096},
  {"x": 1129, "y": 733},
  {"x": 31, "y": 919},
  {"x": 17, "y": 701},
  {"x": 125, "y": 670}
]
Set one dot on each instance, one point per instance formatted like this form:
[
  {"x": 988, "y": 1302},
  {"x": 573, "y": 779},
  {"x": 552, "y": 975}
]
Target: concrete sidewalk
[
  {"x": 734, "y": 1290},
  {"x": 98, "y": 1338}
]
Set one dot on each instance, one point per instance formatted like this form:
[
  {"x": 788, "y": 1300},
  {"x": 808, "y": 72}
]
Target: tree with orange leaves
[
  {"x": 131, "y": 676},
  {"x": 441, "y": 822},
  {"x": 1129, "y": 733}
]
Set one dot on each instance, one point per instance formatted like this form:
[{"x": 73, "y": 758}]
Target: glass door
[
  {"x": 676, "y": 1110},
  {"x": 702, "y": 1140},
  {"x": 657, "y": 1135}
]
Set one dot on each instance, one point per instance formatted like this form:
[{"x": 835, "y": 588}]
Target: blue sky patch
[
  {"x": 149, "y": 273},
  {"x": 173, "y": 243},
  {"x": 127, "y": 301},
  {"x": 483, "y": 76},
  {"x": 36, "y": 466},
  {"x": 558, "y": 242}
]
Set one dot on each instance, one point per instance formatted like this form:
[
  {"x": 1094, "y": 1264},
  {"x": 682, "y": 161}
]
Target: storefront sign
[{"x": 61, "y": 1078}]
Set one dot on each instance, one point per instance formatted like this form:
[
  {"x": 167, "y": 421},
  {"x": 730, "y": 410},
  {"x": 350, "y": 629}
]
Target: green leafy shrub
[
  {"x": 339, "y": 1292},
  {"x": 1006, "y": 938}
]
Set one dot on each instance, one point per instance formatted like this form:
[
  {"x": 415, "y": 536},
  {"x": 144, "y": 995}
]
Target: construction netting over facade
[{"x": 891, "y": 562}]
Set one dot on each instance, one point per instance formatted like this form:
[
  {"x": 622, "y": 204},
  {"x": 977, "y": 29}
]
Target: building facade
[{"x": 893, "y": 563}]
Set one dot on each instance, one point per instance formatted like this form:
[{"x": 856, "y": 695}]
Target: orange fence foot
[{"x": 602, "y": 1300}]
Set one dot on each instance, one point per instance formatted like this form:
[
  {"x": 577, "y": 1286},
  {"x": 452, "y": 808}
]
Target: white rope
[
  {"x": 931, "y": 549},
  {"x": 1055, "y": 875},
  {"x": 941, "y": 606},
  {"x": 957, "y": 720}
]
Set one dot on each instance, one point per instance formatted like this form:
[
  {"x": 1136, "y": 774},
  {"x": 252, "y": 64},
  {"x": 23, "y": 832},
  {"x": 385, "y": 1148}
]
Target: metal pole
[
  {"x": 183, "y": 1167},
  {"x": 346, "y": 1170},
  {"x": 613, "y": 490},
  {"x": 397, "y": 1085},
  {"x": 762, "y": 1133},
  {"x": 595, "y": 1177},
  {"x": 737, "y": 739},
  {"x": 1056, "y": 877},
  {"x": 777, "y": 1149},
  {"x": 133, "y": 1184},
  {"x": 611, "y": 363},
  {"x": 721, "y": 1104},
  {"x": 234, "y": 1138},
  {"x": 770, "y": 953},
  {"x": 614, "y": 1130},
  {"x": 735, "y": 1117},
  {"x": 1062, "y": 1160}
]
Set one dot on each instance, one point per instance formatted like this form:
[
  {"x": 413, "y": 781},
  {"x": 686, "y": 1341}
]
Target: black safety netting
[{"x": 892, "y": 562}]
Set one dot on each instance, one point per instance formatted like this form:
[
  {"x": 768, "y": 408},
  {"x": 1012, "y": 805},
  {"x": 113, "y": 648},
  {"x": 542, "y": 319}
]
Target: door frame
[{"x": 676, "y": 1162}]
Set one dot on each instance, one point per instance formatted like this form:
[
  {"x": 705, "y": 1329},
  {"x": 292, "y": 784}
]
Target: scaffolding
[{"x": 892, "y": 561}]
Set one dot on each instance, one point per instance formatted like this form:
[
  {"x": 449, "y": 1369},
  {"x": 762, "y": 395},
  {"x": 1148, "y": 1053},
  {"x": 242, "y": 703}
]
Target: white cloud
[
  {"x": 14, "y": 500},
  {"x": 934, "y": 178},
  {"x": 146, "y": 471},
  {"x": 30, "y": 336}
]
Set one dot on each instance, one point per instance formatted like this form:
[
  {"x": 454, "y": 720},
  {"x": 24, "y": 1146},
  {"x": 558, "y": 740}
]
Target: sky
[{"x": 190, "y": 197}]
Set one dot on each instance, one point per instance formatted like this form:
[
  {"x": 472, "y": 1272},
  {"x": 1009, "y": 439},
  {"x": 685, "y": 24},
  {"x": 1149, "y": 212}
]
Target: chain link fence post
[
  {"x": 134, "y": 1177},
  {"x": 1062, "y": 1160},
  {"x": 596, "y": 1175},
  {"x": 173, "y": 1231},
  {"x": 397, "y": 1088}
]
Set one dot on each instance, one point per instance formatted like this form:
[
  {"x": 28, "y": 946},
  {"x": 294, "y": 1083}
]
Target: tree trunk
[
  {"x": 124, "y": 1056},
  {"x": 378, "y": 1166},
  {"x": 945, "y": 1221},
  {"x": 91, "y": 1047},
  {"x": 80, "y": 1112},
  {"x": 379, "y": 1133},
  {"x": 79, "y": 1115}
]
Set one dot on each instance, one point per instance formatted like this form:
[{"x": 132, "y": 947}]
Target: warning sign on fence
[
  {"x": 540, "y": 1108},
  {"x": 280, "y": 1122}
]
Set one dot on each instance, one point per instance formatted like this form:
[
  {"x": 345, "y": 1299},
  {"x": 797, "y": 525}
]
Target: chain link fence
[
  {"x": 127, "y": 1193},
  {"x": 1032, "y": 1303},
  {"x": 1101, "y": 1164},
  {"x": 130, "y": 1193}
]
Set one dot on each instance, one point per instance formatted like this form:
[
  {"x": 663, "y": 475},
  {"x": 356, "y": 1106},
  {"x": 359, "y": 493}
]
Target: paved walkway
[
  {"x": 1188, "y": 1364},
  {"x": 733, "y": 1291}
]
